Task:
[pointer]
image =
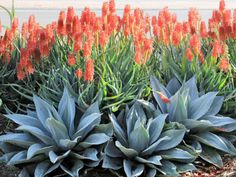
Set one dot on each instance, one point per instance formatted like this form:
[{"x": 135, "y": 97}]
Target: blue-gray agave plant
[
  {"x": 207, "y": 131},
  {"x": 50, "y": 139},
  {"x": 142, "y": 146}
]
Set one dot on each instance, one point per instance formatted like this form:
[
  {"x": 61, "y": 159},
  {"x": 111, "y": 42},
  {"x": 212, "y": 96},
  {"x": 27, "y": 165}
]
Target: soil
[{"x": 204, "y": 170}]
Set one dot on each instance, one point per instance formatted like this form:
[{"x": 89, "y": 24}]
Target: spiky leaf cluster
[
  {"x": 49, "y": 138},
  {"x": 208, "y": 132}
]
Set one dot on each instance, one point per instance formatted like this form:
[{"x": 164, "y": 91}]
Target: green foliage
[
  {"x": 142, "y": 145},
  {"x": 198, "y": 112},
  {"x": 48, "y": 139}
]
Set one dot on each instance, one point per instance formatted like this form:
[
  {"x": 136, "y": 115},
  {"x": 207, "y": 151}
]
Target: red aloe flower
[
  {"x": 24, "y": 57},
  {"x": 163, "y": 97},
  {"x": 112, "y": 7},
  {"x": 222, "y": 5},
  {"x": 203, "y": 29},
  {"x": 14, "y": 25},
  {"x": 87, "y": 49},
  {"x": 189, "y": 54},
  {"x": 71, "y": 60},
  {"x": 20, "y": 72},
  {"x": 24, "y": 31},
  {"x": 61, "y": 23},
  {"x": 31, "y": 23},
  {"x": 79, "y": 73},
  {"x": 29, "y": 67},
  {"x": 36, "y": 55},
  {"x": 195, "y": 43},
  {"x": 103, "y": 38},
  {"x": 216, "y": 50},
  {"x": 89, "y": 70},
  {"x": 224, "y": 64}
]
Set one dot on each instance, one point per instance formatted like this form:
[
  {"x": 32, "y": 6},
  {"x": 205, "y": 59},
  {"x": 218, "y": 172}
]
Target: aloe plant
[
  {"x": 48, "y": 139},
  {"x": 143, "y": 145},
  {"x": 208, "y": 132}
]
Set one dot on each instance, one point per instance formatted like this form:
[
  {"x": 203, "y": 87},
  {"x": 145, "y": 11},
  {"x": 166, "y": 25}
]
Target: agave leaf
[
  {"x": 216, "y": 106},
  {"x": 176, "y": 136},
  {"x": 112, "y": 151},
  {"x": 104, "y": 128},
  {"x": 152, "y": 147},
  {"x": 87, "y": 124},
  {"x": 210, "y": 155},
  {"x": 212, "y": 140},
  {"x": 54, "y": 158},
  {"x": 132, "y": 171},
  {"x": 157, "y": 86},
  {"x": 74, "y": 171},
  {"x": 168, "y": 168},
  {"x": 57, "y": 130},
  {"x": 66, "y": 110},
  {"x": 94, "y": 108},
  {"x": 177, "y": 108},
  {"x": 151, "y": 173},
  {"x": 120, "y": 134},
  {"x": 53, "y": 167},
  {"x": 225, "y": 124},
  {"x": 155, "y": 160},
  {"x": 44, "y": 111},
  {"x": 112, "y": 163},
  {"x": 24, "y": 120},
  {"x": 24, "y": 173},
  {"x": 192, "y": 87},
  {"x": 200, "y": 106},
  {"x": 31, "y": 113},
  {"x": 87, "y": 154},
  {"x": 156, "y": 127},
  {"x": 139, "y": 138},
  {"x": 178, "y": 155},
  {"x": 94, "y": 139},
  {"x": 6, "y": 157},
  {"x": 6, "y": 147},
  {"x": 173, "y": 86},
  {"x": 41, "y": 169},
  {"x": 181, "y": 168},
  {"x": 19, "y": 139},
  {"x": 126, "y": 151},
  {"x": 198, "y": 125},
  {"x": 36, "y": 149},
  {"x": 37, "y": 133}
]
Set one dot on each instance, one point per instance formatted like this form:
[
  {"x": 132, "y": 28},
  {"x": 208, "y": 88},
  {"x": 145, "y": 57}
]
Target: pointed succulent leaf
[
  {"x": 38, "y": 133},
  {"x": 112, "y": 163},
  {"x": 128, "y": 152},
  {"x": 74, "y": 171},
  {"x": 168, "y": 168},
  {"x": 36, "y": 149},
  {"x": 191, "y": 84},
  {"x": 200, "y": 106},
  {"x": 139, "y": 138},
  {"x": 54, "y": 158},
  {"x": 94, "y": 139},
  {"x": 211, "y": 156},
  {"x": 198, "y": 125},
  {"x": 178, "y": 155},
  {"x": 87, "y": 124},
  {"x": 94, "y": 108},
  {"x": 225, "y": 124},
  {"x": 119, "y": 132},
  {"x": 24, "y": 120},
  {"x": 173, "y": 86},
  {"x": 112, "y": 151},
  {"x": 157, "y": 86},
  {"x": 53, "y": 167},
  {"x": 215, "y": 141},
  {"x": 66, "y": 110},
  {"x": 104, "y": 128},
  {"x": 182, "y": 167},
  {"x": 156, "y": 127},
  {"x": 216, "y": 106},
  {"x": 151, "y": 173},
  {"x": 57, "y": 130},
  {"x": 176, "y": 136},
  {"x": 131, "y": 170},
  {"x": 41, "y": 169},
  {"x": 155, "y": 160},
  {"x": 24, "y": 173},
  {"x": 44, "y": 110},
  {"x": 19, "y": 139}
]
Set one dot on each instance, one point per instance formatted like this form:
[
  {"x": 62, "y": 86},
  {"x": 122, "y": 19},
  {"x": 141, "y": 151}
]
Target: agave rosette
[
  {"x": 208, "y": 132},
  {"x": 50, "y": 139},
  {"x": 142, "y": 145}
]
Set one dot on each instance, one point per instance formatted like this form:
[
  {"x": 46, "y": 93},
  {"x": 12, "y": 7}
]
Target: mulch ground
[{"x": 204, "y": 170}]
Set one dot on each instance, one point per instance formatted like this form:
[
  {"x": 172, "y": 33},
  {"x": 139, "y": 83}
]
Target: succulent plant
[
  {"x": 49, "y": 139},
  {"x": 143, "y": 144},
  {"x": 208, "y": 132}
]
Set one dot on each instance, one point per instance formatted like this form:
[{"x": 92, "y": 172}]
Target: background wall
[{"x": 47, "y": 11}]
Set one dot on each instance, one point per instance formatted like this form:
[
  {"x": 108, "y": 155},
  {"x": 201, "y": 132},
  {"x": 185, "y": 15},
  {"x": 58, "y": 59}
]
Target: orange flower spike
[
  {"x": 103, "y": 38},
  {"x": 195, "y": 43},
  {"x": 20, "y": 72},
  {"x": 71, "y": 60},
  {"x": 222, "y": 5},
  {"x": 138, "y": 55},
  {"x": 29, "y": 67},
  {"x": 203, "y": 29},
  {"x": 14, "y": 25},
  {"x": 216, "y": 50},
  {"x": 31, "y": 23},
  {"x": 24, "y": 56},
  {"x": 224, "y": 64},
  {"x": 70, "y": 14},
  {"x": 189, "y": 54},
  {"x": 89, "y": 70},
  {"x": 112, "y": 7},
  {"x": 87, "y": 49},
  {"x": 24, "y": 31},
  {"x": 61, "y": 23},
  {"x": 79, "y": 73}
]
